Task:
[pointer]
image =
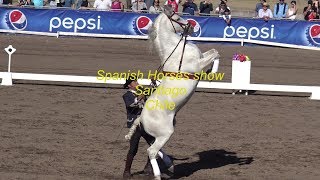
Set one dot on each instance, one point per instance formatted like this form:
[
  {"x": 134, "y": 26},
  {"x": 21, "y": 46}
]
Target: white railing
[{"x": 236, "y": 83}]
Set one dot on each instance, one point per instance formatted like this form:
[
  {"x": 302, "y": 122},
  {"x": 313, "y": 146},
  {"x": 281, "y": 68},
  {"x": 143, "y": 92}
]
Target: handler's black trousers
[
  {"x": 140, "y": 132},
  {"x": 134, "y": 141}
]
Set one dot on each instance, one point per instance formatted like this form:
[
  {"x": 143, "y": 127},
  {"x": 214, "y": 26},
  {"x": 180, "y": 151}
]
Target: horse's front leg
[{"x": 208, "y": 58}]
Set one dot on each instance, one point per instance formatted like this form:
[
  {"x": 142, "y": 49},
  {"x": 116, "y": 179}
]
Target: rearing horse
[{"x": 170, "y": 47}]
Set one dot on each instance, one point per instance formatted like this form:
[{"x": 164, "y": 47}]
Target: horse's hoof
[{"x": 157, "y": 178}]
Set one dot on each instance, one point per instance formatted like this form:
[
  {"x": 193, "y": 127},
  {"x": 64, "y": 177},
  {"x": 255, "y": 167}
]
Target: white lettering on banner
[
  {"x": 252, "y": 33},
  {"x": 77, "y": 24}
]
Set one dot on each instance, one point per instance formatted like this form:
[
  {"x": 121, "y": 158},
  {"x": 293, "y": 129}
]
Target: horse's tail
[{"x": 133, "y": 128}]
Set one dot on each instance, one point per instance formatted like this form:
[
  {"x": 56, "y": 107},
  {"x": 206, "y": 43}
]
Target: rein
[{"x": 183, "y": 35}]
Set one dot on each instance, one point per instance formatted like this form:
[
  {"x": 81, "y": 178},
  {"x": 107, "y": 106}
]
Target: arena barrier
[
  {"x": 87, "y": 23},
  {"x": 8, "y": 76},
  {"x": 241, "y": 41}
]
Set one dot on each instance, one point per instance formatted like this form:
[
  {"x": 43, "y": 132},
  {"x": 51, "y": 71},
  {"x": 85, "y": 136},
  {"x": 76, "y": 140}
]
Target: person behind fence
[
  {"x": 85, "y": 4},
  {"x": 139, "y": 6},
  {"x": 190, "y": 7},
  {"x": 149, "y": 3},
  {"x": 69, "y": 3},
  {"x": 292, "y": 11},
  {"x": 174, "y": 4},
  {"x": 307, "y": 10},
  {"x": 25, "y": 3},
  {"x": 221, "y": 8},
  {"x": 227, "y": 17},
  {"x": 313, "y": 15},
  {"x": 265, "y": 13},
  {"x": 280, "y": 10},
  {"x": 259, "y": 6},
  {"x": 102, "y": 4},
  {"x": 134, "y": 104},
  {"x": 205, "y": 7},
  {"x": 117, "y": 6},
  {"x": 316, "y": 5},
  {"x": 310, "y": 11},
  {"x": 156, "y": 8},
  {"x": 7, "y": 2}
]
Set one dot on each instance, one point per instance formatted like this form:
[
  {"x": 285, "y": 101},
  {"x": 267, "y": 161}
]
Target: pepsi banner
[{"x": 301, "y": 33}]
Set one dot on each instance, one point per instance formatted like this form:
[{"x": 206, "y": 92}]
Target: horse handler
[{"x": 134, "y": 105}]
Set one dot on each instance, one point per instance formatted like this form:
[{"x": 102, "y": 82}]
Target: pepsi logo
[
  {"x": 16, "y": 20},
  {"x": 196, "y": 27},
  {"x": 142, "y": 24},
  {"x": 314, "y": 34}
]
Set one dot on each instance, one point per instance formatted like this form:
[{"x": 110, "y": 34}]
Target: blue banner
[{"x": 301, "y": 33}]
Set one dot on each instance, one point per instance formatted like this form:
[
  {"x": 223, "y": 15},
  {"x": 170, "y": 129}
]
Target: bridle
[
  {"x": 184, "y": 35},
  {"x": 185, "y": 27}
]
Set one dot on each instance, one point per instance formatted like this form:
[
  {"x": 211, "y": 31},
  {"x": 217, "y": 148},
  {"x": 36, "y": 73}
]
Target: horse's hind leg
[{"x": 153, "y": 151}]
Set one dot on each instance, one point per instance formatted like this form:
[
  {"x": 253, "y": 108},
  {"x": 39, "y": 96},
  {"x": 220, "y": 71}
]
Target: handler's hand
[{"x": 141, "y": 97}]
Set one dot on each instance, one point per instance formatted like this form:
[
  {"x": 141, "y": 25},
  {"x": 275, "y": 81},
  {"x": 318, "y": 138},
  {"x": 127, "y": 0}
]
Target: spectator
[
  {"x": 206, "y": 7},
  {"x": 139, "y": 6},
  {"x": 292, "y": 11},
  {"x": 313, "y": 15},
  {"x": 117, "y": 5},
  {"x": 265, "y": 13},
  {"x": 102, "y": 4},
  {"x": 307, "y": 10},
  {"x": 85, "y": 4},
  {"x": 69, "y": 3},
  {"x": 156, "y": 8},
  {"x": 129, "y": 4},
  {"x": 37, "y": 3},
  {"x": 221, "y": 8},
  {"x": 174, "y": 4},
  {"x": 149, "y": 3},
  {"x": 227, "y": 17},
  {"x": 7, "y": 2},
  {"x": 78, "y": 4},
  {"x": 25, "y": 3},
  {"x": 190, "y": 7},
  {"x": 52, "y": 3},
  {"x": 316, "y": 4},
  {"x": 259, "y": 6},
  {"x": 280, "y": 9}
]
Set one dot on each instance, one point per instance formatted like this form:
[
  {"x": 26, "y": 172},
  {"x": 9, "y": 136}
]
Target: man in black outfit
[
  {"x": 134, "y": 105},
  {"x": 206, "y": 7}
]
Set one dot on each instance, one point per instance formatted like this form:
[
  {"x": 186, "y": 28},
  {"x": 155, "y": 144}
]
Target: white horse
[{"x": 158, "y": 122}]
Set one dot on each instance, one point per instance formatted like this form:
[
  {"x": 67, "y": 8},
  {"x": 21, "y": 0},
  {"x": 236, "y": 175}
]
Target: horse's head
[{"x": 179, "y": 24}]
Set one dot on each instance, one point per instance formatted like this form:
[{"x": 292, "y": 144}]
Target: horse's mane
[{"x": 152, "y": 36}]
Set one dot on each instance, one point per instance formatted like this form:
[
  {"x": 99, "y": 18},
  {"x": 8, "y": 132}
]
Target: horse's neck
[{"x": 166, "y": 39}]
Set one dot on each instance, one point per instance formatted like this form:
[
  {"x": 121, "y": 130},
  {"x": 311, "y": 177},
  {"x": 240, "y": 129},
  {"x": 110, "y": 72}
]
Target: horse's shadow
[{"x": 209, "y": 160}]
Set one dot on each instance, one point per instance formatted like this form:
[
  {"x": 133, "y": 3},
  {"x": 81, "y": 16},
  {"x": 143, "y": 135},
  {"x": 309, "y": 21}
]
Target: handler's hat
[
  {"x": 129, "y": 80},
  {"x": 265, "y": 4}
]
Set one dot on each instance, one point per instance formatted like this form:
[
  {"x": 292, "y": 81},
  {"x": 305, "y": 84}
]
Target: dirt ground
[{"x": 76, "y": 131}]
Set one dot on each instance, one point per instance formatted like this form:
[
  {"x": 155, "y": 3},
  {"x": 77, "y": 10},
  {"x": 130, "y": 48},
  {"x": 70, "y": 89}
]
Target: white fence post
[
  {"x": 241, "y": 74},
  {"x": 7, "y": 76}
]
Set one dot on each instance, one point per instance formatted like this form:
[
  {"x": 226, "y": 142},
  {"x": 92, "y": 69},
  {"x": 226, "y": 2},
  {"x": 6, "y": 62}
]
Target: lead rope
[{"x": 184, "y": 44}]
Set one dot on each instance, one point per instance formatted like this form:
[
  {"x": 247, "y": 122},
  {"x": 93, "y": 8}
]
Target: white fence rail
[{"x": 314, "y": 90}]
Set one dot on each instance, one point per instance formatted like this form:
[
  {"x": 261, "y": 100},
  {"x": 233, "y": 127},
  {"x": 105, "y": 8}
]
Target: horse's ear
[{"x": 168, "y": 9}]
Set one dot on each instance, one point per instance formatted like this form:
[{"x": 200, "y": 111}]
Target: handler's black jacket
[{"x": 133, "y": 107}]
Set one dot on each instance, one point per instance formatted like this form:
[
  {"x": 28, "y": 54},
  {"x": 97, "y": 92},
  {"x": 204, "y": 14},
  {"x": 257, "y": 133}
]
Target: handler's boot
[
  {"x": 148, "y": 168},
  {"x": 127, "y": 170}
]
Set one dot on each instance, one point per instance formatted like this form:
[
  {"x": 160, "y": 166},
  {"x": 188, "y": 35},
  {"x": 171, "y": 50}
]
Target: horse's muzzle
[{"x": 189, "y": 29}]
